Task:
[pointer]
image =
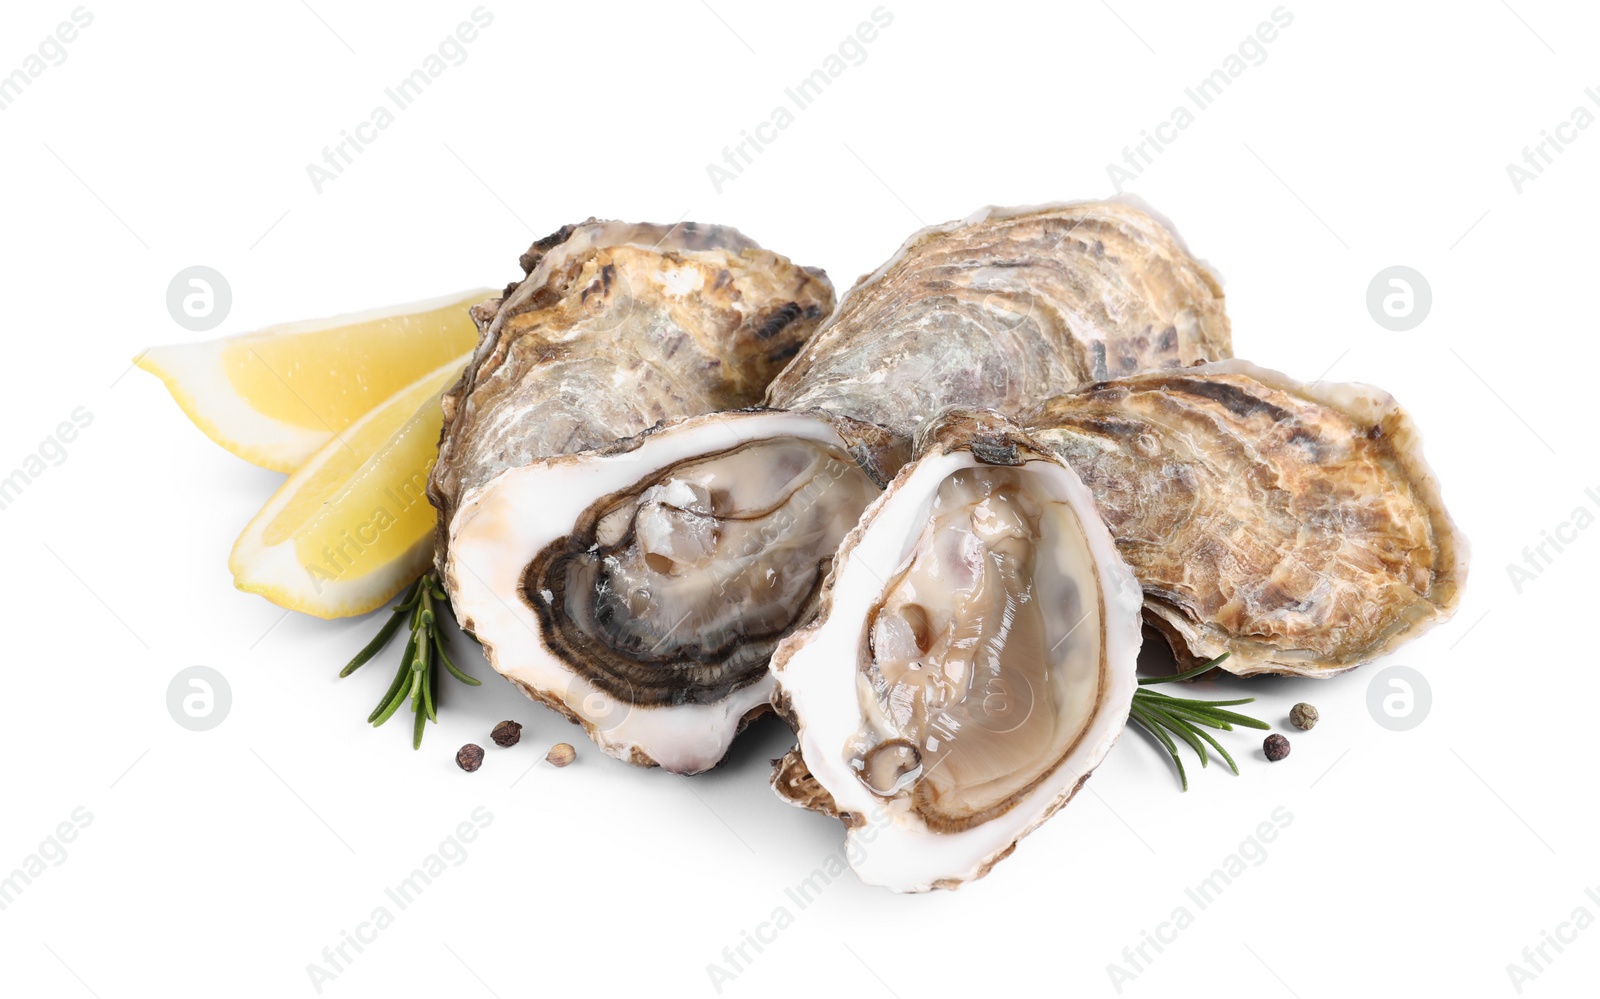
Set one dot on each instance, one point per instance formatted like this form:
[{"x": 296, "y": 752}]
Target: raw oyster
[
  {"x": 688, "y": 553},
  {"x": 1007, "y": 307},
  {"x": 972, "y": 662},
  {"x": 615, "y": 328},
  {"x": 644, "y": 585},
  {"x": 1294, "y": 526}
]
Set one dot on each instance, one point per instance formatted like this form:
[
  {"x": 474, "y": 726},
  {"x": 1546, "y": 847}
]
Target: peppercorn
[
  {"x": 1275, "y": 746},
  {"x": 506, "y": 733},
  {"x": 561, "y": 754},
  {"x": 1303, "y": 716},
  {"x": 469, "y": 757}
]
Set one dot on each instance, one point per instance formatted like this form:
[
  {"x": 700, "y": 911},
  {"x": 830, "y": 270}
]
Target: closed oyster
[
  {"x": 615, "y": 328},
  {"x": 674, "y": 563},
  {"x": 972, "y": 662},
  {"x": 1296, "y": 527},
  {"x": 1004, "y": 308}
]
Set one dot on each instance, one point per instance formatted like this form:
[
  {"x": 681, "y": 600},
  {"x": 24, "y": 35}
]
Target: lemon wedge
[
  {"x": 275, "y": 396},
  {"x": 352, "y": 526}
]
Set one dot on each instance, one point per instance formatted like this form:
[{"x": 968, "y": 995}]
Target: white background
[{"x": 1418, "y": 862}]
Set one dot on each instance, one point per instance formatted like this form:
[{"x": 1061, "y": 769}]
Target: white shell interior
[
  {"x": 499, "y": 528},
  {"x": 819, "y": 671}
]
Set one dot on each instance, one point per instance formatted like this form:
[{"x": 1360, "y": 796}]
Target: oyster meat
[
  {"x": 675, "y": 562},
  {"x": 972, "y": 661},
  {"x": 615, "y": 328},
  {"x": 1296, "y": 527}
]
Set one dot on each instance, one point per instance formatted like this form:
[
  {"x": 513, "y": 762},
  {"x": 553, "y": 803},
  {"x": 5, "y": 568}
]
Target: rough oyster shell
[
  {"x": 1297, "y": 527},
  {"x": 615, "y": 328},
  {"x": 1004, "y": 308},
  {"x": 972, "y": 662}
]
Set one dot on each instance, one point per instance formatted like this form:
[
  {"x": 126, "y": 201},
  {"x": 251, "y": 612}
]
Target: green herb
[
  {"x": 1160, "y": 713},
  {"x": 419, "y": 604}
]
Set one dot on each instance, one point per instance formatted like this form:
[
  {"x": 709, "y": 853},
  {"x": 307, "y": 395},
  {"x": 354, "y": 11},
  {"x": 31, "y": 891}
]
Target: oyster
[
  {"x": 1004, "y": 308},
  {"x": 972, "y": 662},
  {"x": 1294, "y": 526},
  {"x": 649, "y": 587},
  {"x": 615, "y": 328},
  {"x": 675, "y": 562}
]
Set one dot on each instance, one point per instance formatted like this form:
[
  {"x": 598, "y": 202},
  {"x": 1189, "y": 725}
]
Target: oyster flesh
[
  {"x": 972, "y": 662},
  {"x": 687, "y": 554},
  {"x": 615, "y": 328},
  {"x": 1296, "y": 527}
]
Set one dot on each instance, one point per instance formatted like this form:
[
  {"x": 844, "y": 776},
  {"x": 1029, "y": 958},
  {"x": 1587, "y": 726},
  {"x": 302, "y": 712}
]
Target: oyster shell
[
  {"x": 618, "y": 326},
  {"x": 615, "y": 328},
  {"x": 1006, "y": 307},
  {"x": 673, "y": 564},
  {"x": 1297, "y": 527},
  {"x": 646, "y": 592},
  {"x": 972, "y": 662}
]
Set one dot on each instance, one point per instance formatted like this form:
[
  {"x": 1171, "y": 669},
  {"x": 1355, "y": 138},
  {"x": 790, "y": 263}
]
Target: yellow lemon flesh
[
  {"x": 275, "y": 396},
  {"x": 352, "y": 526}
]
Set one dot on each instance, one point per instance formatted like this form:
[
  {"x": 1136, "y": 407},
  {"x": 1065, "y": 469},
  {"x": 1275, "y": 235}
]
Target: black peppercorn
[
  {"x": 506, "y": 733},
  {"x": 1276, "y": 747},
  {"x": 469, "y": 757}
]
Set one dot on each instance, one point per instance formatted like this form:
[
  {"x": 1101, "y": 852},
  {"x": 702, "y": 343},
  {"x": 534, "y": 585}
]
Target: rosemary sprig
[
  {"x": 419, "y": 604},
  {"x": 1160, "y": 713}
]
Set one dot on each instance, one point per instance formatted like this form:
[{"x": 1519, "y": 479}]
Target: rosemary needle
[
  {"x": 420, "y": 605},
  {"x": 1160, "y": 713}
]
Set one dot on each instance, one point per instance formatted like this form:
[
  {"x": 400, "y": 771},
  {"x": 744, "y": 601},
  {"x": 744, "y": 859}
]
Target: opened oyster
[
  {"x": 1296, "y": 527},
  {"x": 615, "y": 328},
  {"x": 972, "y": 662},
  {"x": 664, "y": 569}
]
